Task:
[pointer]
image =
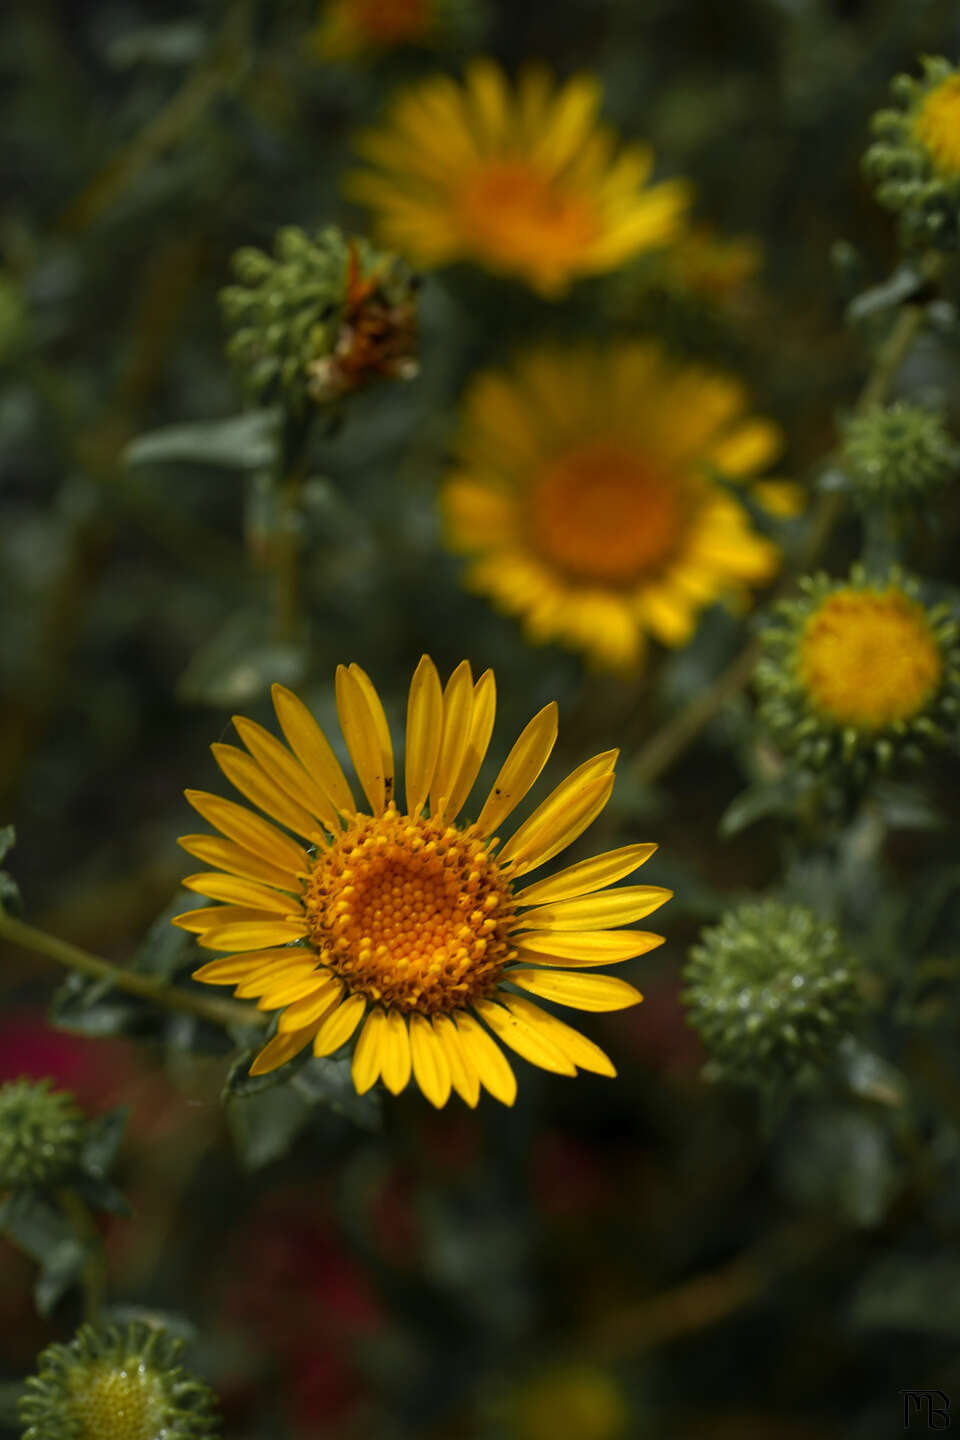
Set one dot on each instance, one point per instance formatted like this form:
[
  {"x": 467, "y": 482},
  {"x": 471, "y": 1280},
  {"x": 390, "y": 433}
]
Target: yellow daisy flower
[
  {"x": 350, "y": 29},
  {"x": 587, "y": 492},
  {"x": 402, "y": 919},
  {"x": 522, "y": 180}
]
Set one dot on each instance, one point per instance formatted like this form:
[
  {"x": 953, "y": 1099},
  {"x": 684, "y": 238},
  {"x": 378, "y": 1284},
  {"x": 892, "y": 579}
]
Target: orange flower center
[
  {"x": 124, "y": 1404},
  {"x": 412, "y": 913},
  {"x": 869, "y": 658},
  {"x": 511, "y": 213},
  {"x": 937, "y": 126},
  {"x": 385, "y": 22},
  {"x": 606, "y": 515}
]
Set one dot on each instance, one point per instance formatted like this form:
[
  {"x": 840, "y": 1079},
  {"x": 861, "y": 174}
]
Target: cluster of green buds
[
  {"x": 859, "y": 674},
  {"x": 897, "y": 454},
  {"x": 42, "y": 1134},
  {"x": 319, "y": 318},
  {"x": 916, "y": 158},
  {"x": 117, "y": 1383},
  {"x": 772, "y": 990}
]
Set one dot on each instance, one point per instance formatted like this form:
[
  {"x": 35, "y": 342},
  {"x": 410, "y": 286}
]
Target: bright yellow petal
[
  {"x": 431, "y": 1069},
  {"x": 586, "y": 876},
  {"x": 584, "y": 948},
  {"x": 244, "y": 772},
  {"x": 577, "y": 1048},
  {"x": 312, "y": 748},
  {"x": 276, "y": 991},
  {"x": 584, "y": 992},
  {"x": 272, "y": 974},
  {"x": 234, "y": 891},
  {"x": 227, "y": 855},
  {"x": 232, "y": 969},
  {"x": 396, "y": 1052},
  {"x": 249, "y": 831},
  {"x": 252, "y": 934},
  {"x": 362, "y": 734},
  {"x": 486, "y": 1057},
  {"x": 618, "y": 906},
  {"x": 747, "y": 449},
  {"x": 531, "y": 1044},
  {"x": 457, "y": 717},
  {"x": 463, "y": 1074},
  {"x": 481, "y": 728},
  {"x": 380, "y": 727},
  {"x": 369, "y": 1051},
  {"x": 520, "y": 769},
  {"x": 286, "y": 772},
  {"x": 339, "y": 1026},
  {"x": 424, "y": 728},
  {"x": 567, "y": 811},
  {"x": 212, "y": 917},
  {"x": 279, "y": 1050},
  {"x": 312, "y": 1008}
]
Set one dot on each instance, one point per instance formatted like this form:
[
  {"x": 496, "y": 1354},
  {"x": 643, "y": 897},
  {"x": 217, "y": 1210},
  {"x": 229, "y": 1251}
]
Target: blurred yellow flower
[
  {"x": 712, "y": 266},
  {"x": 521, "y": 179},
  {"x": 403, "y": 919},
  {"x": 937, "y": 125},
  {"x": 350, "y": 29},
  {"x": 577, "y": 1402},
  {"x": 586, "y": 490}
]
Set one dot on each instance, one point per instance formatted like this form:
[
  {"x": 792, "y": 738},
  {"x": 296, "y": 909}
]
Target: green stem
[
  {"x": 94, "y": 1276},
  {"x": 218, "y": 1012},
  {"x": 667, "y": 744},
  {"x": 287, "y": 545}
]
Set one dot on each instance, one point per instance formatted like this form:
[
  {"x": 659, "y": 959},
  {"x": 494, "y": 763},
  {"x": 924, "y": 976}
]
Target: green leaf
[
  {"x": 103, "y": 1141},
  {"x": 840, "y": 1160},
  {"x": 91, "y": 1007},
  {"x": 34, "y": 1225},
  {"x": 241, "y": 442},
  {"x": 905, "y": 281},
  {"x": 240, "y": 663},
  {"x": 11, "y": 1392},
  {"x": 330, "y": 1082},
  {"x": 241, "y": 1084},
  {"x": 264, "y": 1126},
  {"x": 758, "y": 802},
  {"x": 8, "y": 838},
  {"x": 61, "y": 1268},
  {"x": 165, "y": 948}
]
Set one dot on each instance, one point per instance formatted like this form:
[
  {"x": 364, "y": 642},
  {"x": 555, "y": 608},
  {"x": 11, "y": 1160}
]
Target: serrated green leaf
[
  {"x": 61, "y": 1268},
  {"x": 264, "y": 1126},
  {"x": 240, "y": 442},
  {"x": 330, "y": 1082}
]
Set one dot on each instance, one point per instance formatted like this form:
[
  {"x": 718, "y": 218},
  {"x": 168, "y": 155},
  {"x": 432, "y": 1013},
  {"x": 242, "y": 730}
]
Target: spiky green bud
[
  {"x": 117, "y": 1383},
  {"x": 915, "y": 161},
  {"x": 895, "y": 454},
  {"x": 319, "y": 318},
  {"x": 42, "y": 1132},
  {"x": 772, "y": 990}
]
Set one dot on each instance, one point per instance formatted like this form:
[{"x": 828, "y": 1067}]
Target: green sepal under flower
[
  {"x": 42, "y": 1134},
  {"x": 772, "y": 990},
  {"x": 859, "y": 675},
  {"x": 915, "y": 161},
  {"x": 895, "y": 454},
  {"x": 321, "y": 317},
  {"x": 117, "y": 1383}
]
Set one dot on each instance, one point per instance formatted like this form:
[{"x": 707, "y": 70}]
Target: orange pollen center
[
  {"x": 515, "y": 215},
  {"x": 412, "y": 913},
  {"x": 869, "y": 658},
  {"x": 937, "y": 126},
  {"x": 605, "y": 515}
]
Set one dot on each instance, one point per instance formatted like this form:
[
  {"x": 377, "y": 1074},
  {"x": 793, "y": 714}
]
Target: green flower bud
[
  {"x": 116, "y": 1383},
  {"x": 41, "y": 1134},
  {"x": 771, "y": 989},
  {"x": 915, "y": 162},
  {"x": 859, "y": 674},
  {"x": 895, "y": 454},
  {"x": 320, "y": 318}
]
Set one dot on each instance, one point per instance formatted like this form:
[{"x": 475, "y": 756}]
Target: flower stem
[
  {"x": 287, "y": 541},
  {"x": 668, "y": 743},
  {"x": 218, "y": 1012},
  {"x": 94, "y": 1275}
]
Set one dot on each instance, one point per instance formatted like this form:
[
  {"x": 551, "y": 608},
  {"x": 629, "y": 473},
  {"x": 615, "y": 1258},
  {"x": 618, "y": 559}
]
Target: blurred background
[{"x": 610, "y": 1259}]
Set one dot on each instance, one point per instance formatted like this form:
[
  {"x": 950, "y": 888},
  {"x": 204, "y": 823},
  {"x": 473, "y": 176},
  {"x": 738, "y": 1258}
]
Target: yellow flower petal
[
  {"x": 618, "y": 906},
  {"x": 585, "y": 947},
  {"x": 576, "y": 1047},
  {"x": 212, "y": 917},
  {"x": 227, "y": 855},
  {"x": 279, "y": 1050},
  {"x": 232, "y": 969},
  {"x": 457, "y": 717},
  {"x": 312, "y": 748},
  {"x": 249, "y": 831},
  {"x": 481, "y": 728},
  {"x": 395, "y": 1067},
  {"x": 584, "y": 992},
  {"x": 424, "y": 728},
  {"x": 252, "y": 934},
  {"x": 339, "y": 1026},
  {"x": 586, "y": 876},
  {"x": 486, "y": 1058},
  {"x": 523, "y": 1038},
  {"x": 520, "y": 769},
  {"x": 431, "y": 1069},
  {"x": 565, "y": 814},
  {"x": 312, "y": 1008},
  {"x": 369, "y": 1051},
  {"x": 242, "y": 892},
  {"x": 276, "y": 991},
  {"x": 244, "y": 772},
  {"x": 361, "y": 730},
  {"x": 270, "y": 974},
  {"x": 286, "y": 772},
  {"x": 463, "y": 1074},
  {"x": 747, "y": 449}
]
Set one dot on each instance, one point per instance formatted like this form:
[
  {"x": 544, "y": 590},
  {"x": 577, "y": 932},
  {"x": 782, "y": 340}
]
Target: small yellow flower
[
  {"x": 937, "y": 125},
  {"x": 521, "y": 180},
  {"x": 349, "y": 29},
  {"x": 587, "y": 491},
  {"x": 404, "y": 919}
]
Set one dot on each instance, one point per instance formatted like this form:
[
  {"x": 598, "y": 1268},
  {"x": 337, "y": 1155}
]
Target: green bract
[
  {"x": 897, "y": 453},
  {"x": 117, "y": 1383},
  {"x": 912, "y": 164},
  {"x": 42, "y": 1132},
  {"x": 771, "y": 989}
]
